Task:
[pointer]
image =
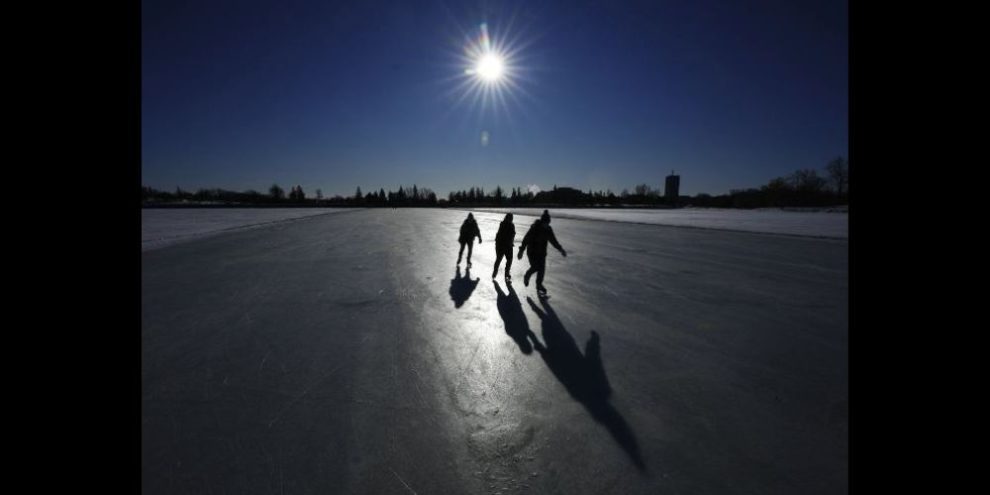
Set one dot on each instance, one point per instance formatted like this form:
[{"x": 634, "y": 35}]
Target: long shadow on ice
[
  {"x": 583, "y": 376},
  {"x": 511, "y": 311},
  {"x": 462, "y": 287}
]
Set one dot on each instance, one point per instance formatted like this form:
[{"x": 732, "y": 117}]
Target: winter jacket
[
  {"x": 535, "y": 241},
  {"x": 469, "y": 229},
  {"x": 506, "y": 235}
]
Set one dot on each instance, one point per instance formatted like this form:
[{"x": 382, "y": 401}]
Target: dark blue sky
[{"x": 729, "y": 94}]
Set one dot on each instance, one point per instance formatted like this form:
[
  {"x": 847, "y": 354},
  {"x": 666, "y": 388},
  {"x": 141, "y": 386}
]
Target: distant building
[{"x": 672, "y": 188}]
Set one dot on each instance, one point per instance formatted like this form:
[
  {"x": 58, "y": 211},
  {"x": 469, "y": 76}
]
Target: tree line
[
  {"x": 276, "y": 196},
  {"x": 476, "y": 196},
  {"x": 802, "y": 188}
]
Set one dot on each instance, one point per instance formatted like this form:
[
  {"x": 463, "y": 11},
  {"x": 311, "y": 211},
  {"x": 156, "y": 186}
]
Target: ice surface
[
  {"x": 348, "y": 353},
  {"x": 828, "y": 224},
  {"x": 166, "y": 226}
]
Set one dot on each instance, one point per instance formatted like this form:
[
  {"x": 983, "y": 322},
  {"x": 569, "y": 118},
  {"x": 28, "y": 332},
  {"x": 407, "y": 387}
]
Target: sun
[
  {"x": 490, "y": 67},
  {"x": 488, "y": 62},
  {"x": 492, "y": 71}
]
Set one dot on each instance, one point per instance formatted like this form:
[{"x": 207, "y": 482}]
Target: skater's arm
[
  {"x": 553, "y": 240},
  {"x": 522, "y": 247}
]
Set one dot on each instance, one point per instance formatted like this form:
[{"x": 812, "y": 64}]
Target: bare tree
[
  {"x": 838, "y": 171},
  {"x": 807, "y": 180}
]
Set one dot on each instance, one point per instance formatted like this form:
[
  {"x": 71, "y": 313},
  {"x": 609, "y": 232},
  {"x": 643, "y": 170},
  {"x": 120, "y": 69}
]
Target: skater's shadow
[
  {"x": 583, "y": 376},
  {"x": 462, "y": 287},
  {"x": 511, "y": 311}
]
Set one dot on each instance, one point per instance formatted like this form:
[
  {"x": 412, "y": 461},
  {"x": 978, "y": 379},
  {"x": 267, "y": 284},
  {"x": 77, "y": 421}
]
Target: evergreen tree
[{"x": 276, "y": 192}]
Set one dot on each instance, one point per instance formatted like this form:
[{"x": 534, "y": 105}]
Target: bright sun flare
[
  {"x": 491, "y": 72},
  {"x": 490, "y": 67}
]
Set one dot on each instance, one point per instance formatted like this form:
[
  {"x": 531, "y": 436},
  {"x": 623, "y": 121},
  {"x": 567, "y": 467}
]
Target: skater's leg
[
  {"x": 529, "y": 273},
  {"x": 508, "y": 262},
  {"x": 540, "y": 271},
  {"x": 461, "y": 252},
  {"x": 498, "y": 261},
  {"x": 470, "y": 246}
]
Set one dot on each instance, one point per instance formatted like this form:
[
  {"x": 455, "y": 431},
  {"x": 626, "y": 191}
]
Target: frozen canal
[
  {"x": 162, "y": 227},
  {"x": 824, "y": 222},
  {"x": 345, "y": 353}
]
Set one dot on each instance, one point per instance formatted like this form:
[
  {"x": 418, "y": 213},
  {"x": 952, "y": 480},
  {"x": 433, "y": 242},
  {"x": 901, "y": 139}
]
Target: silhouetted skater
[
  {"x": 535, "y": 245},
  {"x": 469, "y": 230},
  {"x": 503, "y": 245}
]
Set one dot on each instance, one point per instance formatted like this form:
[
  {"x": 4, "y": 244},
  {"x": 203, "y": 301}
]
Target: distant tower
[{"x": 673, "y": 187}]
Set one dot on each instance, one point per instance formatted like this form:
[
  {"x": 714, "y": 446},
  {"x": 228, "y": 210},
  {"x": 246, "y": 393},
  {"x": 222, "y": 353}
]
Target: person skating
[
  {"x": 469, "y": 230},
  {"x": 535, "y": 244},
  {"x": 503, "y": 245}
]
